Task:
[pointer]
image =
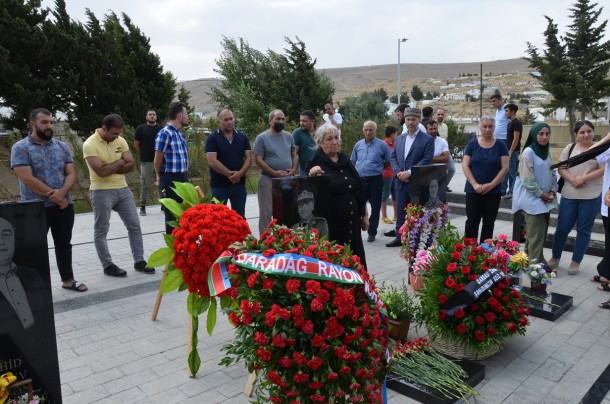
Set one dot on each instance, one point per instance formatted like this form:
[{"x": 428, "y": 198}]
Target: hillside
[{"x": 355, "y": 80}]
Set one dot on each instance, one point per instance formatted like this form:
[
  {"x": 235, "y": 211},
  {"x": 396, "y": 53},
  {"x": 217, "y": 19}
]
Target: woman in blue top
[
  {"x": 485, "y": 164},
  {"x": 535, "y": 189}
]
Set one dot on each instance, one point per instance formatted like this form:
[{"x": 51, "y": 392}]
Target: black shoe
[
  {"x": 113, "y": 270},
  {"x": 141, "y": 267},
  {"x": 370, "y": 238},
  {"x": 391, "y": 233},
  {"x": 142, "y": 211},
  {"x": 394, "y": 243},
  {"x": 449, "y": 189}
]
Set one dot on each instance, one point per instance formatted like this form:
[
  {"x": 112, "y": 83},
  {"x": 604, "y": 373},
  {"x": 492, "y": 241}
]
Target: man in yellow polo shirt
[{"x": 109, "y": 159}]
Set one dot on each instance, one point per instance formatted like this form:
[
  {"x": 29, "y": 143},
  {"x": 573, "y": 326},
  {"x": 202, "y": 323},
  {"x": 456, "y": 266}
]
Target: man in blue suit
[{"x": 413, "y": 148}]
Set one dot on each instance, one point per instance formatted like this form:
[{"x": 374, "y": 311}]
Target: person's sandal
[
  {"x": 604, "y": 286},
  {"x": 605, "y": 305}
]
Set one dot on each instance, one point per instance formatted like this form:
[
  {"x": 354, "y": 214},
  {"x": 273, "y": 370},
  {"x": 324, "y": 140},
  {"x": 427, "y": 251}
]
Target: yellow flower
[{"x": 520, "y": 259}]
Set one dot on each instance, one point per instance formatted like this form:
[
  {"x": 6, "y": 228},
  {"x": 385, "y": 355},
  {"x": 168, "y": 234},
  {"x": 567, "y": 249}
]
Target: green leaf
[
  {"x": 187, "y": 192},
  {"x": 169, "y": 240},
  {"x": 173, "y": 223},
  {"x": 194, "y": 359},
  {"x": 211, "y": 321},
  {"x": 183, "y": 286},
  {"x": 161, "y": 257},
  {"x": 176, "y": 208},
  {"x": 172, "y": 281},
  {"x": 197, "y": 304}
]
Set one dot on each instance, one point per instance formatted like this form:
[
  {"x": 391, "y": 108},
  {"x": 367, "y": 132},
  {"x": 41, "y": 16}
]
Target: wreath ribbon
[{"x": 5, "y": 380}]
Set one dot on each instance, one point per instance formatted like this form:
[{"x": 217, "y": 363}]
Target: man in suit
[{"x": 412, "y": 148}]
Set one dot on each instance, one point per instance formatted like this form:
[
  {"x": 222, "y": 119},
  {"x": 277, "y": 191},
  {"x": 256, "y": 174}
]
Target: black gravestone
[
  {"x": 429, "y": 185},
  {"x": 28, "y": 346},
  {"x": 287, "y": 191},
  {"x": 548, "y": 306}
]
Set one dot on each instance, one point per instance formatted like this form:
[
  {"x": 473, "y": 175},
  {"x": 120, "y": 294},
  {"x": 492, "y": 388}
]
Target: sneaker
[
  {"x": 553, "y": 263},
  {"x": 508, "y": 195},
  {"x": 113, "y": 270},
  {"x": 142, "y": 211},
  {"x": 141, "y": 267},
  {"x": 370, "y": 239}
]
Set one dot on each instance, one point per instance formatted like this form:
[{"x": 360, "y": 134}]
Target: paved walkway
[{"x": 111, "y": 352}]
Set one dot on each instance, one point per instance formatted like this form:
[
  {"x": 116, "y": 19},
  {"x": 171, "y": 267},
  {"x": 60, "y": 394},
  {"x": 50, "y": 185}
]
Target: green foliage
[
  {"x": 364, "y": 107},
  {"x": 457, "y": 139},
  {"x": 417, "y": 93},
  {"x": 398, "y": 302},
  {"x": 84, "y": 70},
  {"x": 528, "y": 118},
  {"x": 184, "y": 97},
  {"x": 575, "y": 70},
  {"x": 254, "y": 83},
  {"x": 381, "y": 93}
]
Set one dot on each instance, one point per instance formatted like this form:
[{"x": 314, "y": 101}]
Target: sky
[{"x": 186, "y": 34}]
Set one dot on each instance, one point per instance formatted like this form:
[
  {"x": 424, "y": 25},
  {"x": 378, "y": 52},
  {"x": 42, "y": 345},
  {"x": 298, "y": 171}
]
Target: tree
[
  {"x": 254, "y": 83},
  {"x": 365, "y": 106},
  {"x": 381, "y": 93},
  {"x": 528, "y": 118},
  {"x": 184, "y": 97},
  {"x": 417, "y": 93},
  {"x": 575, "y": 72}
]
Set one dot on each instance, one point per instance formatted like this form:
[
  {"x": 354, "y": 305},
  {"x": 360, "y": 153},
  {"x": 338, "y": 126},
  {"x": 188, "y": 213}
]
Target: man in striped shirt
[{"x": 171, "y": 156}]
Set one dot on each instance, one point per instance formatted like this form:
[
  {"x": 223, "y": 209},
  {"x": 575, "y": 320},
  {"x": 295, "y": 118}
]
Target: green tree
[
  {"x": 528, "y": 118},
  {"x": 381, "y": 93},
  {"x": 365, "y": 106},
  {"x": 184, "y": 96},
  {"x": 417, "y": 93},
  {"x": 457, "y": 139},
  {"x": 254, "y": 83},
  {"x": 574, "y": 71}
]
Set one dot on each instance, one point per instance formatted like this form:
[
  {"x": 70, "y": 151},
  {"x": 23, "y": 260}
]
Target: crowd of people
[{"x": 494, "y": 165}]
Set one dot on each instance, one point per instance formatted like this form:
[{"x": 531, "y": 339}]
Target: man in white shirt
[
  {"x": 443, "y": 132},
  {"x": 331, "y": 117}
]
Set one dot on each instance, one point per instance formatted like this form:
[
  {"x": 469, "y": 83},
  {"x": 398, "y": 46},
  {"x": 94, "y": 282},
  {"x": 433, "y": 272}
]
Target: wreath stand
[{"x": 155, "y": 311}]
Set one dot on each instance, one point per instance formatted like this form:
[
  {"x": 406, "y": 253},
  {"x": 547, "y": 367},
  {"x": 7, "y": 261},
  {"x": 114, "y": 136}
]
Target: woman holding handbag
[{"x": 580, "y": 197}]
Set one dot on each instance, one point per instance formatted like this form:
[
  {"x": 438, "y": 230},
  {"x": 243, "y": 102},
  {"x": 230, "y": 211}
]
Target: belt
[
  {"x": 173, "y": 175},
  {"x": 371, "y": 177}
]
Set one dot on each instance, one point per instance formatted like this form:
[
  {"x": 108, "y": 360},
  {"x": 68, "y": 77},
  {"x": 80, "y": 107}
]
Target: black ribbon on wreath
[{"x": 582, "y": 157}]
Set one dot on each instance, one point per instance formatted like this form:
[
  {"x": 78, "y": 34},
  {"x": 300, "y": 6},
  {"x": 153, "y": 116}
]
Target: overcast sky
[{"x": 186, "y": 34}]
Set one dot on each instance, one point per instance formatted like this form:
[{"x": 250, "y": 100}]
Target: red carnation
[
  {"x": 442, "y": 314},
  {"x": 459, "y": 287},
  {"x": 451, "y": 267},
  {"x": 461, "y": 328},
  {"x": 465, "y": 269},
  {"x": 512, "y": 327},
  {"x": 260, "y": 338},
  {"x": 460, "y": 313},
  {"x": 300, "y": 377},
  {"x": 278, "y": 341},
  {"x": 312, "y": 287},
  {"x": 269, "y": 252},
  {"x": 456, "y": 256},
  {"x": 450, "y": 283},
  {"x": 292, "y": 285},
  {"x": 268, "y": 284},
  {"x": 479, "y": 335},
  {"x": 299, "y": 358},
  {"x": 458, "y": 247},
  {"x": 264, "y": 354},
  {"x": 315, "y": 363},
  {"x": 523, "y": 321},
  {"x": 490, "y": 317},
  {"x": 491, "y": 331},
  {"x": 316, "y": 305},
  {"x": 442, "y": 299},
  {"x": 479, "y": 320},
  {"x": 318, "y": 340},
  {"x": 332, "y": 376},
  {"x": 471, "y": 258},
  {"x": 307, "y": 327},
  {"x": 285, "y": 362}
]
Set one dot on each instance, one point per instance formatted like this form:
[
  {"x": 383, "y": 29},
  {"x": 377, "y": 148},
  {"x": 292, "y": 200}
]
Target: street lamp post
[{"x": 398, "y": 88}]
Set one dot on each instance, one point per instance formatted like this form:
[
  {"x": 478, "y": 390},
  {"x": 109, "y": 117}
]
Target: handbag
[{"x": 561, "y": 181}]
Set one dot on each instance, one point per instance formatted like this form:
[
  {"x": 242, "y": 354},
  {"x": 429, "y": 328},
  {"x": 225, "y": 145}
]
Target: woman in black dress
[{"x": 348, "y": 211}]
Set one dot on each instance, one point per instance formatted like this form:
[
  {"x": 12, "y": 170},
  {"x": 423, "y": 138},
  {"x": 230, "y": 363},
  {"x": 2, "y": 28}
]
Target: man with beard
[
  {"x": 400, "y": 115},
  {"x": 331, "y": 117},
  {"x": 276, "y": 156},
  {"x": 229, "y": 157},
  {"x": 145, "y": 144},
  {"x": 45, "y": 169},
  {"x": 303, "y": 139}
]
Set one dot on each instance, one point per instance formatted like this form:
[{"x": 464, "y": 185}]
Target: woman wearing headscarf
[{"x": 535, "y": 189}]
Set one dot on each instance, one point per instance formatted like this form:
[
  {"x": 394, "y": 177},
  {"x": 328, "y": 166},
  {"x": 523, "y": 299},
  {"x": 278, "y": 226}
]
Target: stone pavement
[{"x": 111, "y": 352}]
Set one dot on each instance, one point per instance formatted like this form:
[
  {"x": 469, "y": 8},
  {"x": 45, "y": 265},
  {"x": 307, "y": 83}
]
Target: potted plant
[
  {"x": 483, "y": 321},
  {"x": 400, "y": 307},
  {"x": 539, "y": 276}
]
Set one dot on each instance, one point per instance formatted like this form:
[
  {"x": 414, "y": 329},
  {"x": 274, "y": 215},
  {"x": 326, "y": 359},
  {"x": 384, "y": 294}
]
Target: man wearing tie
[{"x": 412, "y": 148}]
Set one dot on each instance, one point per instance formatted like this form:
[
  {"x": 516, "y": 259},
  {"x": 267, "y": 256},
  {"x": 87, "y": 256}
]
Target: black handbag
[{"x": 561, "y": 181}]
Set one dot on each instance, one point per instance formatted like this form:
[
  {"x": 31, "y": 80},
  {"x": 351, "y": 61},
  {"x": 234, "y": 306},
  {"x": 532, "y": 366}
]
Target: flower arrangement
[
  {"x": 421, "y": 266},
  {"x": 307, "y": 317},
  {"x": 489, "y": 316},
  {"x": 417, "y": 362},
  {"x": 420, "y": 229},
  {"x": 502, "y": 250},
  {"x": 7, "y": 381},
  {"x": 539, "y": 275},
  {"x": 202, "y": 232}
]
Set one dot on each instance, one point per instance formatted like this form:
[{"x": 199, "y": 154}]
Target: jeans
[
  {"x": 236, "y": 194},
  {"x": 373, "y": 187},
  {"x": 166, "y": 182},
  {"x": 61, "y": 222},
  {"x": 481, "y": 207},
  {"x": 147, "y": 178},
  {"x": 120, "y": 200},
  {"x": 581, "y": 212},
  {"x": 513, "y": 165}
]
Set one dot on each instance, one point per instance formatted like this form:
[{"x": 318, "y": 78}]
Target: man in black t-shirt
[
  {"x": 229, "y": 157},
  {"x": 145, "y": 143},
  {"x": 514, "y": 131}
]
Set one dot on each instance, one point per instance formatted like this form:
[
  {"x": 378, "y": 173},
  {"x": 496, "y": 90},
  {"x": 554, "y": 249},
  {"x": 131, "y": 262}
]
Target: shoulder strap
[{"x": 571, "y": 149}]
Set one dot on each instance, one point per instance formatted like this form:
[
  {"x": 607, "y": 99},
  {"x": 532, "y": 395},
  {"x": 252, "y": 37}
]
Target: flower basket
[
  {"x": 454, "y": 349},
  {"x": 538, "y": 288},
  {"x": 416, "y": 282},
  {"x": 399, "y": 330}
]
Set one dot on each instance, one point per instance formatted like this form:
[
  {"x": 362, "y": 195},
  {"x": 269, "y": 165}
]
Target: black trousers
[
  {"x": 481, "y": 207},
  {"x": 603, "y": 268},
  {"x": 166, "y": 182},
  {"x": 61, "y": 222}
]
